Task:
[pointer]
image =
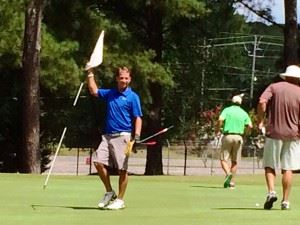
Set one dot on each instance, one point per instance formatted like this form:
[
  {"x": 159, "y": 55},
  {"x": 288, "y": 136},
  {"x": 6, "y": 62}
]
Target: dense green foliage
[{"x": 189, "y": 68}]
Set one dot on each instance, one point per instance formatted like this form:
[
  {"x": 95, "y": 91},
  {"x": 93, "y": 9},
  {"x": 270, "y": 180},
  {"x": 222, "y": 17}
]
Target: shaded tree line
[{"x": 164, "y": 42}]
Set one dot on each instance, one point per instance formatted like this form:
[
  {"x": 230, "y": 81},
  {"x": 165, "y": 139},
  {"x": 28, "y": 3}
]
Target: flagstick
[
  {"x": 53, "y": 161},
  {"x": 95, "y": 59},
  {"x": 78, "y": 93}
]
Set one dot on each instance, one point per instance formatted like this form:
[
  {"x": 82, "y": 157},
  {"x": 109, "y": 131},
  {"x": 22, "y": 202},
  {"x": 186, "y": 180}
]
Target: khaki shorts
[
  {"x": 111, "y": 152},
  {"x": 279, "y": 154},
  {"x": 231, "y": 147}
]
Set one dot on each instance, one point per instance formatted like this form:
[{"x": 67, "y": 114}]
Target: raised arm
[{"x": 91, "y": 82}]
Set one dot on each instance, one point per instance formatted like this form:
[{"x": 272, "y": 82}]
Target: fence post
[
  {"x": 185, "y": 156},
  {"x": 168, "y": 144}
]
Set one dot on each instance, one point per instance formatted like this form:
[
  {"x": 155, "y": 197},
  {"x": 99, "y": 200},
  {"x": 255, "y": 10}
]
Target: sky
[{"x": 278, "y": 11}]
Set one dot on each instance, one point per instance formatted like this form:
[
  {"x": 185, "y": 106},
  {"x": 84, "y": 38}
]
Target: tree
[
  {"x": 290, "y": 33},
  {"x": 290, "y": 54},
  {"x": 143, "y": 51},
  {"x": 30, "y": 156},
  {"x": 198, "y": 65},
  {"x": 164, "y": 43},
  {"x": 11, "y": 31},
  {"x": 261, "y": 8},
  {"x": 152, "y": 22},
  {"x": 173, "y": 30}
]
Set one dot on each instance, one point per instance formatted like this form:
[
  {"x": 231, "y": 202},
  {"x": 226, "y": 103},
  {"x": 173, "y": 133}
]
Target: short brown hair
[{"x": 123, "y": 68}]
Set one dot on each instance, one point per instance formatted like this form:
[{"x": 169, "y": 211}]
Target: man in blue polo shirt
[{"x": 122, "y": 124}]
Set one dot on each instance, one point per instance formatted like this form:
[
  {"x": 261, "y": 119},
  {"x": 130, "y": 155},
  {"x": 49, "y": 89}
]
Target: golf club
[
  {"x": 130, "y": 148},
  {"x": 154, "y": 135},
  {"x": 216, "y": 142},
  {"x": 147, "y": 143}
]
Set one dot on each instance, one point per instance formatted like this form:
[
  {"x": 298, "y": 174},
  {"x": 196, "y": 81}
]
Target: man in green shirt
[{"x": 234, "y": 120}]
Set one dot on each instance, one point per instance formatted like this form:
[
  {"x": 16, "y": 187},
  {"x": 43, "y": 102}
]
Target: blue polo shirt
[{"x": 121, "y": 109}]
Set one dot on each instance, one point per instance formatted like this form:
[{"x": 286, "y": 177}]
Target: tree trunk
[
  {"x": 154, "y": 165},
  {"x": 30, "y": 154},
  {"x": 290, "y": 33}
]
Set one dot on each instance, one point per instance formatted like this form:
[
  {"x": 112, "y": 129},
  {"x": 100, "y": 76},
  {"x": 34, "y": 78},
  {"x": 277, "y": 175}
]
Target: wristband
[
  {"x": 90, "y": 75},
  {"x": 137, "y": 137}
]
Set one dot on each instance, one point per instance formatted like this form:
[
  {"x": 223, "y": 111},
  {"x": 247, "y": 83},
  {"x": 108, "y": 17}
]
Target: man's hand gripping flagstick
[
  {"x": 95, "y": 60},
  {"x": 130, "y": 147}
]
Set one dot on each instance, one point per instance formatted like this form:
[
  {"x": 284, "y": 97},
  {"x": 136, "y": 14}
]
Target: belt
[
  {"x": 229, "y": 133},
  {"x": 119, "y": 134}
]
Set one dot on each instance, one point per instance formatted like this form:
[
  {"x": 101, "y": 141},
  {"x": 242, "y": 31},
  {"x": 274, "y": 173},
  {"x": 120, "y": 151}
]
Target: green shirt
[{"x": 235, "y": 119}]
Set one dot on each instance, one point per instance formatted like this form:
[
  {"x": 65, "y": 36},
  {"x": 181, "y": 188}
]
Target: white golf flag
[{"x": 97, "y": 55}]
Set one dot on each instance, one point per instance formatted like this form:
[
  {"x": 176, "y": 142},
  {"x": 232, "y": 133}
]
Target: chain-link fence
[{"x": 179, "y": 158}]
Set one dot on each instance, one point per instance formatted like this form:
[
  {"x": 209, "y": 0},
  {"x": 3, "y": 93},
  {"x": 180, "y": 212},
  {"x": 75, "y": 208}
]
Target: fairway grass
[{"x": 150, "y": 200}]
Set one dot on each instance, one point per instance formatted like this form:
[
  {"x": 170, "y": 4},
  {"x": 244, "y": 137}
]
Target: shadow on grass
[
  {"x": 237, "y": 208},
  {"x": 34, "y": 207},
  {"x": 203, "y": 186}
]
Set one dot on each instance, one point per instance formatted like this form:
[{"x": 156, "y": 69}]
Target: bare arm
[
  {"x": 261, "y": 109},
  {"x": 248, "y": 128},
  {"x": 92, "y": 83},
  {"x": 218, "y": 127},
  {"x": 138, "y": 126}
]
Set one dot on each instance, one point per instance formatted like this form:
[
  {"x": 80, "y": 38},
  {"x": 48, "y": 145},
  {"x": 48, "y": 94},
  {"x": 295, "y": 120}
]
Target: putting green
[{"x": 150, "y": 200}]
